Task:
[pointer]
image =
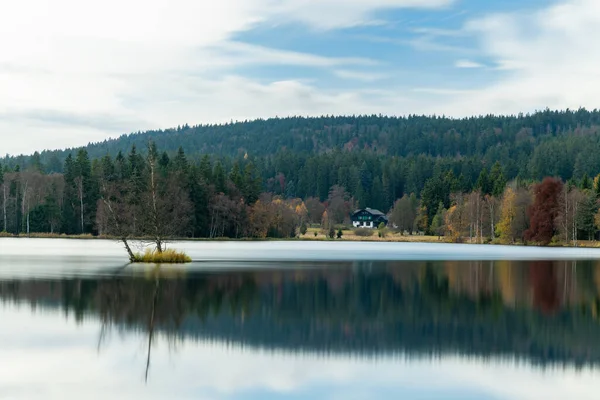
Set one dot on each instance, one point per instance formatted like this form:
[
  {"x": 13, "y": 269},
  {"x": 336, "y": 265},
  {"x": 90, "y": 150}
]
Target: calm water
[{"x": 299, "y": 320}]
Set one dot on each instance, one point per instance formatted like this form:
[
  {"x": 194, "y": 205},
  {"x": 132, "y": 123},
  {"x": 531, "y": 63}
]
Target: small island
[{"x": 169, "y": 256}]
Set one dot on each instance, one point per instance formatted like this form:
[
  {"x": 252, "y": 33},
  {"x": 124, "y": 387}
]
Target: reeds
[{"x": 169, "y": 256}]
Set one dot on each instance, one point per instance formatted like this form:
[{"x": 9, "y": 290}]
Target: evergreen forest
[{"x": 525, "y": 178}]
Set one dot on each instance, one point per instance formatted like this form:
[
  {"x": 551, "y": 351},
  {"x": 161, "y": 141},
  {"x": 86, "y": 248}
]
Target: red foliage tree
[{"x": 544, "y": 211}]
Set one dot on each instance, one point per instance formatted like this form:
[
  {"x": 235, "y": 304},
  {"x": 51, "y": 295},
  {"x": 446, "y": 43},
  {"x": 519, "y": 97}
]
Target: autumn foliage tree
[
  {"x": 508, "y": 212},
  {"x": 457, "y": 218},
  {"x": 544, "y": 211}
]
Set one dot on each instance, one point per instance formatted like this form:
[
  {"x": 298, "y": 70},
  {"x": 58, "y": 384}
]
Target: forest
[{"x": 512, "y": 179}]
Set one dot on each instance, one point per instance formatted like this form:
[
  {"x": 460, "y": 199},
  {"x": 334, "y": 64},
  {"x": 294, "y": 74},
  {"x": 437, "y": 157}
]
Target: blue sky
[{"x": 73, "y": 72}]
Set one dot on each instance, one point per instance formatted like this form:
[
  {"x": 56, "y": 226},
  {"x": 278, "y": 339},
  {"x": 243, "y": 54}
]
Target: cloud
[
  {"x": 439, "y": 32},
  {"x": 330, "y": 14},
  {"x": 468, "y": 64},
  {"x": 548, "y": 58},
  {"x": 238, "y": 53},
  {"x": 441, "y": 91},
  {"x": 358, "y": 75},
  {"x": 71, "y": 73}
]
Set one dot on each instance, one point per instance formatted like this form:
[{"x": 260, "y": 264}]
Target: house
[{"x": 368, "y": 218}]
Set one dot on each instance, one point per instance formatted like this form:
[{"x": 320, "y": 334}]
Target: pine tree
[
  {"x": 87, "y": 192},
  {"x": 252, "y": 183},
  {"x": 497, "y": 181},
  {"x": 69, "y": 211},
  {"x": 163, "y": 163},
  {"x": 585, "y": 216},
  {"x": 586, "y": 183},
  {"x": 36, "y": 162},
  {"x": 438, "y": 224},
  {"x": 205, "y": 169},
  {"x": 483, "y": 182},
  {"x": 180, "y": 163},
  {"x": 52, "y": 209},
  {"x": 219, "y": 177},
  {"x": 235, "y": 176}
]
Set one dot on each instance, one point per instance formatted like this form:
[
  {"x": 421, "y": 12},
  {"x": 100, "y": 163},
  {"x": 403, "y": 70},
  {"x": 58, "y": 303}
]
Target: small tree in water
[{"x": 149, "y": 200}]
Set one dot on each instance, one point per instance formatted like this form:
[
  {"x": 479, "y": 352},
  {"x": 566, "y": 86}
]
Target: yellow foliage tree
[
  {"x": 453, "y": 223},
  {"x": 596, "y": 186},
  {"x": 301, "y": 212},
  {"x": 259, "y": 219},
  {"x": 457, "y": 220},
  {"x": 508, "y": 213}
]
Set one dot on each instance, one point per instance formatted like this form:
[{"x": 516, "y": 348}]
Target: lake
[{"x": 269, "y": 320}]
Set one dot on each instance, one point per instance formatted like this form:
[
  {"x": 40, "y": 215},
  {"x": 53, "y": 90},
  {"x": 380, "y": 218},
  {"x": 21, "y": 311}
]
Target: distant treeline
[
  {"x": 150, "y": 194},
  {"x": 473, "y": 177}
]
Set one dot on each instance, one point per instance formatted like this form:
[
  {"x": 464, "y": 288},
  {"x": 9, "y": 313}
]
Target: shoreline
[{"x": 307, "y": 238}]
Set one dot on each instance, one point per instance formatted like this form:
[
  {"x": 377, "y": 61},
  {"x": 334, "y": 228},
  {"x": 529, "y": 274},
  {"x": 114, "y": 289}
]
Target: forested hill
[
  {"x": 563, "y": 143},
  {"x": 318, "y": 170}
]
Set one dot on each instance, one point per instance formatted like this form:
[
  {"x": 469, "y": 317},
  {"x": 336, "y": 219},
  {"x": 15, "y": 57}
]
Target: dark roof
[{"x": 371, "y": 211}]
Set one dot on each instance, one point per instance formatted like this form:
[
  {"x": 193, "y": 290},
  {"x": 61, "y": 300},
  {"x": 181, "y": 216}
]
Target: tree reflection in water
[{"x": 543, "y": 312}]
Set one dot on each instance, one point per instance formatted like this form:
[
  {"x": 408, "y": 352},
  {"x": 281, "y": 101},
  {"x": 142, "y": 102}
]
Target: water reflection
[{"x": 540, "y": 314}]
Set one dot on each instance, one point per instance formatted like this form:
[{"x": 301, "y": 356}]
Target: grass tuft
[
  {"x": 169, "y": 256},
  {"x": 364, "y": 232}
]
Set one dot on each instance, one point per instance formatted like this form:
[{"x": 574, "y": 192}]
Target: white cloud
[
  {"x": 548, "y": 58},
  {"x": 358, "y": 75},
  {"x": 439, "y": 32},
  {"x": 73, "y": 72},
  {"x": 468, "y": 64},
  {"x": 328, "y": 14}
]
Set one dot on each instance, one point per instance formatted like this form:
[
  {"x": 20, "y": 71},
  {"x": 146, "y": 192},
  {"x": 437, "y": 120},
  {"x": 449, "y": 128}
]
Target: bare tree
[
  {"x": 476, "y": 209},
  {"x": 339, "y": 204},
  {"x": 117, "y": 212},
  {"x": 315, "y": 210},
  {"x": 492, "y": 205},
  {"x": 403, "y": 214},
  {"x": 166, "y": 204},
  {"x": 570, "y": 202}
]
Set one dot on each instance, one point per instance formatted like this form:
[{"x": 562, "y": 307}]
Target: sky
[
  {"x": 45, "y": 354},
  {"x": 74, "y": 72}
]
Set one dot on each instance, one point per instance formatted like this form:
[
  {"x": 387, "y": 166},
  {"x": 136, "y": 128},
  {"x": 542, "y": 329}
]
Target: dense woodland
[{"x": 477, "y": 179}]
